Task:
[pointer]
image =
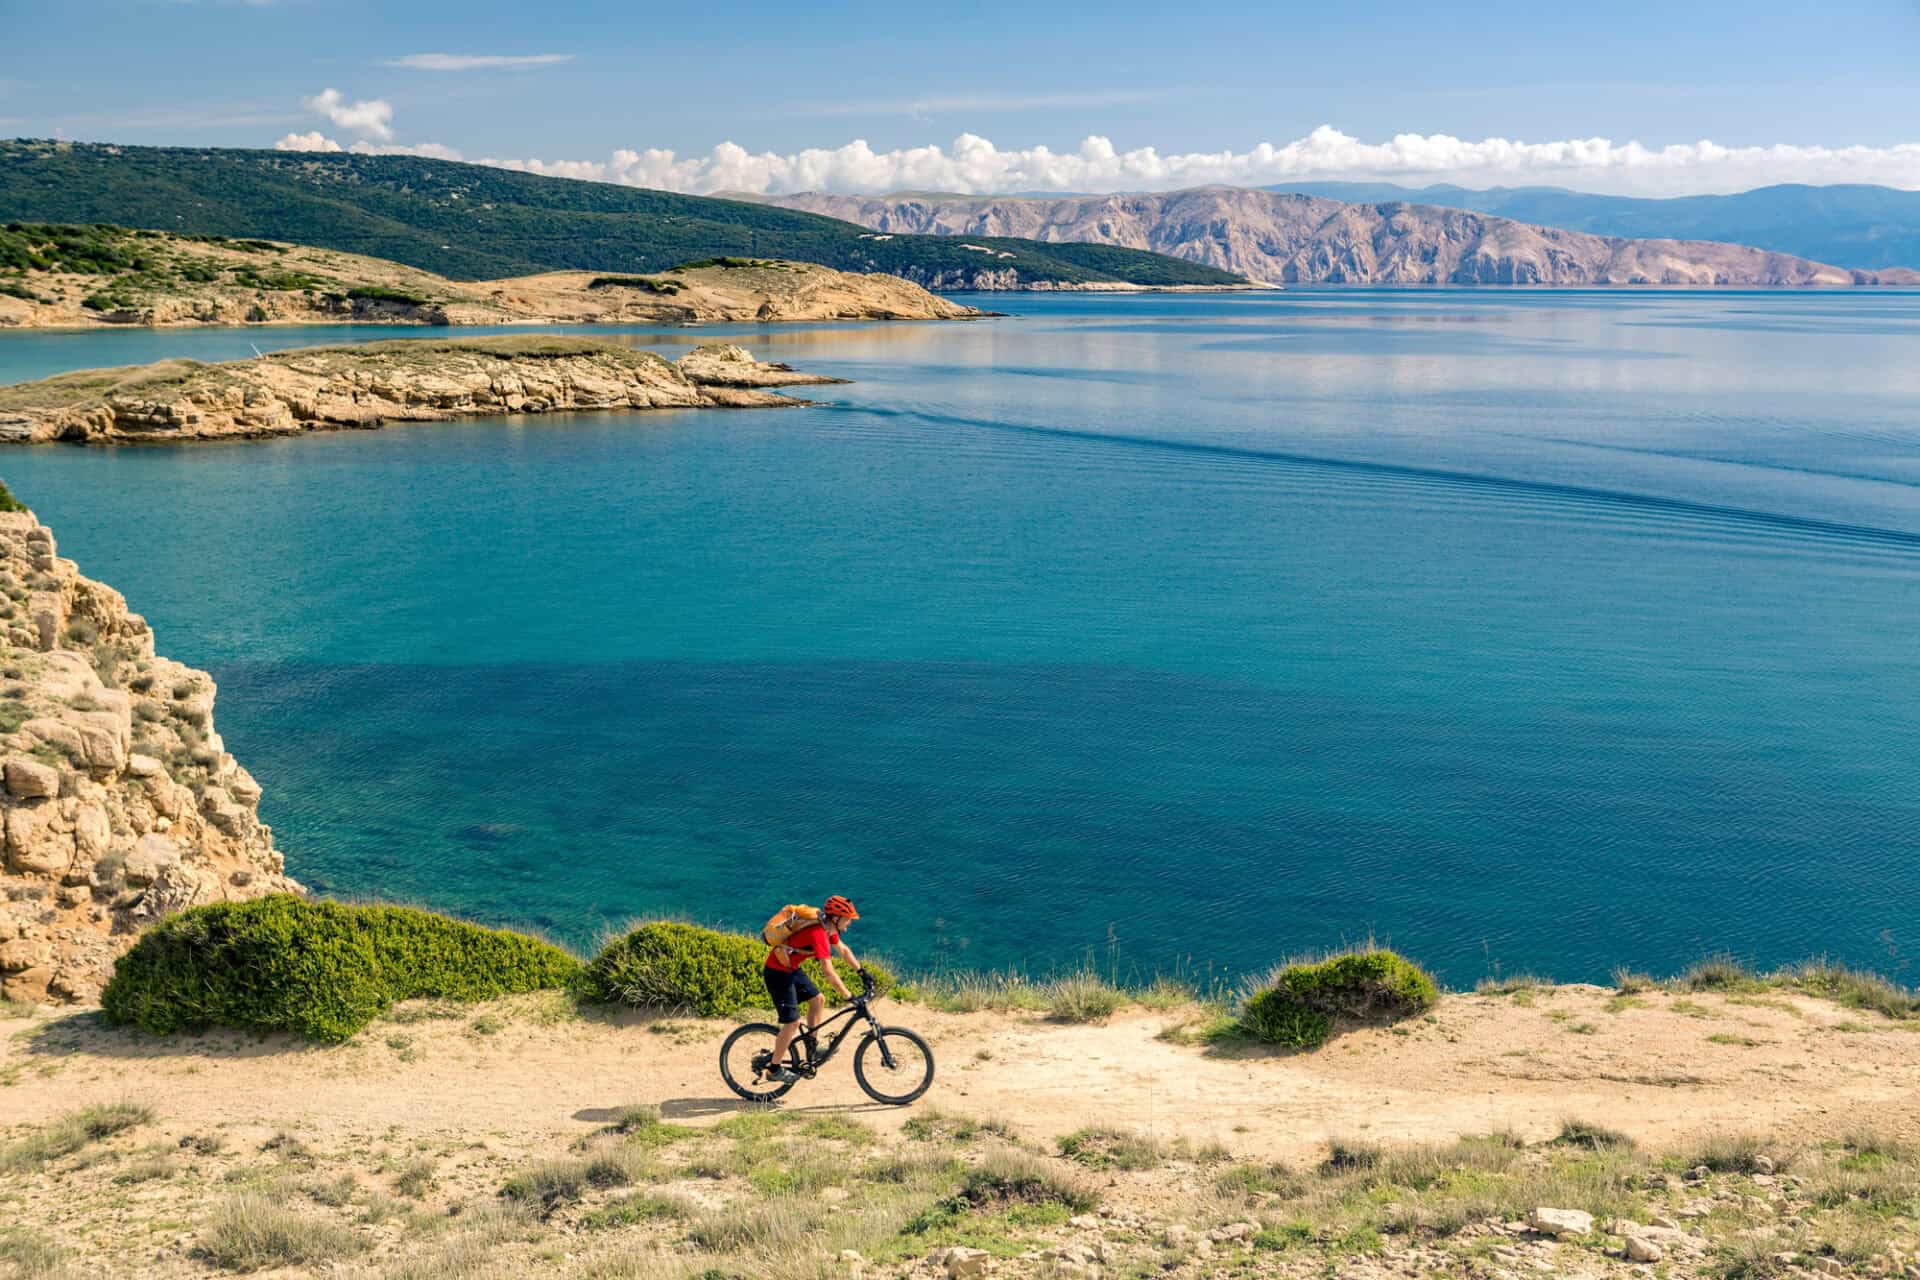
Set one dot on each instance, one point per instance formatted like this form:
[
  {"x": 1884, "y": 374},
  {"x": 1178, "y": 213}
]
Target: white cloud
[
  {"x": 373, "y": 117},
  {"x": 315, "y": 141},
  {"x": 974, "y": 164},
  {"x": 477, "y": 61}
]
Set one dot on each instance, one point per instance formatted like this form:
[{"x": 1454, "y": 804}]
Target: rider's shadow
[{"x": 699, "y": 1108}]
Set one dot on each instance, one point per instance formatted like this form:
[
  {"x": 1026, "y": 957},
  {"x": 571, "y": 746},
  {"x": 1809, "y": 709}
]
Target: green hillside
[{"x": 472, "y": 222}]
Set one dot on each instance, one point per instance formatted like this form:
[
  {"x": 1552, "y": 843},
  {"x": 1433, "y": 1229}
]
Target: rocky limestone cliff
[
  {"x": 1307, "y": 239},
  {"x": 367, "y": 384},
  {"x": 120, "y": 802}
]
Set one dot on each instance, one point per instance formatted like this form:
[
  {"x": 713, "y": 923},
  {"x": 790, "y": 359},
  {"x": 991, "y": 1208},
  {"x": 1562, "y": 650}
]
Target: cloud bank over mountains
[{"x": 975, "y": 165}]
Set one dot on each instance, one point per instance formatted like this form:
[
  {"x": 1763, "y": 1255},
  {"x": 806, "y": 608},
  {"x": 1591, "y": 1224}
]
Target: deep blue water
[{"x": 1542, "y": 630}]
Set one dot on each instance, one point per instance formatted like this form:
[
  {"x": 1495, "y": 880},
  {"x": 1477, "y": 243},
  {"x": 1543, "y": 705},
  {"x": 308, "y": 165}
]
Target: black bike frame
[{"x": 855, "y": 1010}]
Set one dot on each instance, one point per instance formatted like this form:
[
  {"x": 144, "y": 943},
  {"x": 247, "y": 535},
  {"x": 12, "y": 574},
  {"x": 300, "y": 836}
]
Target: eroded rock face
[
  {"x": 118, "y": 802},
  {"x": 1271, "y": 235}
]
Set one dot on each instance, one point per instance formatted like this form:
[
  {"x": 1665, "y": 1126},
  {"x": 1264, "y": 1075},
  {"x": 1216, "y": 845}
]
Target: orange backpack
[{"x": 788, "y": 921}]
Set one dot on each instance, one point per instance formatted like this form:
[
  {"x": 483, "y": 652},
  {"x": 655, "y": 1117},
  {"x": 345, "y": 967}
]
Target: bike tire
[
  {"x": 910, "y": 1046},
  {"x": 747, "y": 1087}
]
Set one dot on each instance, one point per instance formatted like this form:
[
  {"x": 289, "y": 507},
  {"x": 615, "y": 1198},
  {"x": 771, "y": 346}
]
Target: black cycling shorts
[{"x": 789, "y": 990}]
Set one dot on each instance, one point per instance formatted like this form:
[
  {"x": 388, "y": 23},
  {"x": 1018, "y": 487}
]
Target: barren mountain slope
[{"x": 1294, "y": 238}]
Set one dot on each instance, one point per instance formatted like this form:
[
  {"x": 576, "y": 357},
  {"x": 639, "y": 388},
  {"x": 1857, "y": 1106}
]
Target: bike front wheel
[
  {"x": 897, "y": 1073},
  {"x": 745, "y": 1058}
]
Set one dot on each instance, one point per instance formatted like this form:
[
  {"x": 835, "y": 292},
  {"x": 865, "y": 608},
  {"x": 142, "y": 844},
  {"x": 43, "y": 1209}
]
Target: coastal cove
[{"x": 1225, "y": 626}]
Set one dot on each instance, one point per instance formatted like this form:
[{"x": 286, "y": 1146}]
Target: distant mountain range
[
  {"x": 1850, "y": 226},
  {"x": 472, "y": 222},
  {"x": 1287, "y": 237}
]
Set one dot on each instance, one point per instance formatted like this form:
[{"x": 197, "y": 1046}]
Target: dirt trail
[{"x": 1662, "y": 1068}]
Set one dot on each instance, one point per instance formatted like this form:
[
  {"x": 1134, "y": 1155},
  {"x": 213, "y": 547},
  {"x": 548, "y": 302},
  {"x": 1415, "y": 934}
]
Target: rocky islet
[{"x": 368, "y": 384}]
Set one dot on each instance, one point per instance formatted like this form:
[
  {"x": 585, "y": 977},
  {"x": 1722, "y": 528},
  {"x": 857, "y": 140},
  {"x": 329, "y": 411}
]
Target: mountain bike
[{"x": 894, "y": 1065}]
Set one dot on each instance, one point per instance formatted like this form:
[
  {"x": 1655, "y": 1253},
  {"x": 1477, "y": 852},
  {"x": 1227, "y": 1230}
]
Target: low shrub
[
  {"x": 323, "y": 969},
  {"x": 1301, "y": 1005},
  {"x": 1016, "y": 1177},
  {"x": 381, "y": 293},
  {"x": 667, "y": 287},
  {"x": 1113, "y": 1149},
  {"x": 671, "y": 965},
  {"x": 1594, "y": 1137},
  {"x": 8, "y": 502}
]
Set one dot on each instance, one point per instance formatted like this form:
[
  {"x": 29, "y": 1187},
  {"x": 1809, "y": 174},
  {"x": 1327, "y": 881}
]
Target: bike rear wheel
[
  {"x": 745, "y": 1057},
  {"x": 911, "y": 1072}
]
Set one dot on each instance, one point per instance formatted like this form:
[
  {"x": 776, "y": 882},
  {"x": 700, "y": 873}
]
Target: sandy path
[{"x": 1790, "y": 1066}]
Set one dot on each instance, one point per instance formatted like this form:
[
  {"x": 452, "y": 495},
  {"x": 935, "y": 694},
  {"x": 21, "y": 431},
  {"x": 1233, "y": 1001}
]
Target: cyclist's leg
[
  {"x": 804, "y": 990},
  {"x": 786, "y": 1008}
]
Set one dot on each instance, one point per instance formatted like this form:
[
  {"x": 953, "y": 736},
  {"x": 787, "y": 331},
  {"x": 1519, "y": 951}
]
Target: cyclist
[{"x": 788, "y": 986}]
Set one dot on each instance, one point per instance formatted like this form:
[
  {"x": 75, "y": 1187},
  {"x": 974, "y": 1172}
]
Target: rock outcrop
[
  {"x": 119, "y": 801},
  {"x": 1308, "y": 239},
  {"x": 368, "y": 384}
]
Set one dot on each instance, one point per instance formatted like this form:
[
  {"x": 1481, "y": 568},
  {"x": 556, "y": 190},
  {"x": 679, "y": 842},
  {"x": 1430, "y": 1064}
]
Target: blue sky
[{"x": 1178, "y": 93}]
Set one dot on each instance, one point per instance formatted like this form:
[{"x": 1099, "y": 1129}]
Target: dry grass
[
  {"x": 551, "y": 1183},
  {"x": 1736, "y": 1153},
  {"x": 25, "y": 1254},
  {"x": 70, "y": 1133},
  {"x": 1511, "y": 984},
  {"x": 251, "y": 1232},
  {"x": 931, "y": 1124},
  {"x": 469, "y": 1254},
  {"x": 1081, "y": 997}
]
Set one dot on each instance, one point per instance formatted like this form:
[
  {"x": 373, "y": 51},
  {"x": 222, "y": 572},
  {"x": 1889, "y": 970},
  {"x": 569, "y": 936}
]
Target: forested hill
[{"x": 472, "y": 222}]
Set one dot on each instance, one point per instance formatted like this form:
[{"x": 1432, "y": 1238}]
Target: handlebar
[{"x": 866, "y": 985}]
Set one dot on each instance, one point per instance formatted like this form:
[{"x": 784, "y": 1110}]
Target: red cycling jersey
[{"x": 814, "y": 941}]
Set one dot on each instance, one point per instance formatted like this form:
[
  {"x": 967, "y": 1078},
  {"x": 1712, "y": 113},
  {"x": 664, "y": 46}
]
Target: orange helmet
[{"x": 839, "y": 906}]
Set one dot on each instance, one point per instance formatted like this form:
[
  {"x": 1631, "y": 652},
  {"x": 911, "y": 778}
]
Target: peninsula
[
  {"x": 55, "y": 275},
  {"x": 369, "y": 384}
]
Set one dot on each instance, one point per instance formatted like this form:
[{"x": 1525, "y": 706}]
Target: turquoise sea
[{"x": 1528, "y": 630}]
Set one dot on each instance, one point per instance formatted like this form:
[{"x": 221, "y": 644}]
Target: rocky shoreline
[{"x": 369, "y": 384}]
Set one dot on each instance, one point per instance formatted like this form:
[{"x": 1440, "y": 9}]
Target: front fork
[{"x": 873, "y": 1029}]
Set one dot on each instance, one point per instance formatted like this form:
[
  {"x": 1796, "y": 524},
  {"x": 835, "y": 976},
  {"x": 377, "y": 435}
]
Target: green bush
[
  {"x": 667, "y": 287},
  {"x": 673, "y": 965},
  {"x": 324, "y": 969},
  {"x": 380, "y": 293},
  {"x": 8, "y": 502},
  {"x": 1301, "y": 1004}
]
